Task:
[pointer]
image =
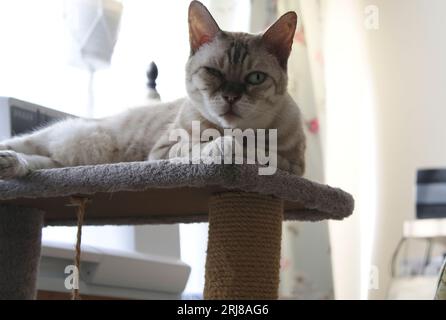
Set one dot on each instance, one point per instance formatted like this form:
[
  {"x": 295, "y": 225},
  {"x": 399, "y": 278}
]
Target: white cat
[{"x": 234, "y": 80}]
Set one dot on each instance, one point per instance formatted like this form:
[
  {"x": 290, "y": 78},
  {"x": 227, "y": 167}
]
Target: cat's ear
[
  {"x": 278, "y": 39},
  {"x": 202, "y": 26}
]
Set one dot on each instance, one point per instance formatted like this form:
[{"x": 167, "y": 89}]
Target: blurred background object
[{"x": 93, "y": 27}]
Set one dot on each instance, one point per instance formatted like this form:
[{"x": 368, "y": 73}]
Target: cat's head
[{"x": 236, "y": 79}]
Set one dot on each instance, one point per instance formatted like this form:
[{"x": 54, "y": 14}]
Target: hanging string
[{"x": 81, "y": 204}]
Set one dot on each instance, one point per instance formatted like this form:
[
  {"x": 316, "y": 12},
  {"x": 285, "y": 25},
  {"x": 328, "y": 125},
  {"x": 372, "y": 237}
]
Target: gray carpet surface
[{"x": 320, "y": 201}]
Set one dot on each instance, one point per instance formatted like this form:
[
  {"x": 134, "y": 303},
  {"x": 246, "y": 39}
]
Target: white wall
[
  {"x": 386, "y": 118},
  {"x": 409, "y": 75}
]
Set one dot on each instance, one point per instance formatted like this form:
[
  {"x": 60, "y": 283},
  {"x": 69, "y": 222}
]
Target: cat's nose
[{"x": 231, "y": 98}]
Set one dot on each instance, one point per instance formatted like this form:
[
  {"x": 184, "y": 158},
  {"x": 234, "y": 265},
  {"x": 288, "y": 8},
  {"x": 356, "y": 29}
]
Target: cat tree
[{"x": 245, "y": 213}]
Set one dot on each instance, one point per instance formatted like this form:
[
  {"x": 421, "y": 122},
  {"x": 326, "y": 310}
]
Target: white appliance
[{"x": 113, "y": 273}]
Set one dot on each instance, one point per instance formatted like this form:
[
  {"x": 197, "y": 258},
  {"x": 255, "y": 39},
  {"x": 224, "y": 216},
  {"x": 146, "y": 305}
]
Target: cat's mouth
[{"x": 230, "y": 113}]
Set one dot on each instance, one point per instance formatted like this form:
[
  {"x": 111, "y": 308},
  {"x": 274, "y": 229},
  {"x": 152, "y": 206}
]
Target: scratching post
[
  {"x": 244, "y": 246},
  {"x": 20, "y": 238}
]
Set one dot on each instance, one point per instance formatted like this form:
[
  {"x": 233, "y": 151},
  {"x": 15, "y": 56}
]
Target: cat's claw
[{"x": 12, "y": 165}]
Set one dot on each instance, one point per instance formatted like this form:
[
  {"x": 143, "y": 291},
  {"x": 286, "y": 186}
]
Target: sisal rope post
[
  {"x": 243, "y": 256},
  {"x": 81, "y": 204}
]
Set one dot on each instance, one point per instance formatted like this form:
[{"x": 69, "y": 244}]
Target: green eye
[
  {"x": 214, "y": 72},
  {"x": 256, "y": 78}
]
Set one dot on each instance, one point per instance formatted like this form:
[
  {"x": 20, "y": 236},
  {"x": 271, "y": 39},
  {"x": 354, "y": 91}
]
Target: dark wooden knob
[{"x": 152, "y": 74}]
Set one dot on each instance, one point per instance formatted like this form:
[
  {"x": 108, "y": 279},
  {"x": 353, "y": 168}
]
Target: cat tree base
[{"x": 243, "y": 253}]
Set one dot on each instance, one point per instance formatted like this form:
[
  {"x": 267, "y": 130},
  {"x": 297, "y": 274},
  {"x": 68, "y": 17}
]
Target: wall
[
  {"x": 409, "y": 75},
  {"x": 386, "y": 118}
]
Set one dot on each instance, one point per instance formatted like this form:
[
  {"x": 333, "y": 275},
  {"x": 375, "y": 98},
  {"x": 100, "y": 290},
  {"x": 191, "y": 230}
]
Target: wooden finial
[{"x": 152, "y": 74}]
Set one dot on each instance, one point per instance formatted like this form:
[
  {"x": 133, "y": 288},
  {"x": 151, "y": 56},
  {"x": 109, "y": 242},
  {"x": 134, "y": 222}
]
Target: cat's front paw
[
  {"x": 12, "y": 165},
  {"x": 222, "y": 150}
]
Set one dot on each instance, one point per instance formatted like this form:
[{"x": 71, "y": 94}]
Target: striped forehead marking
[{"x": 237, "y": 52}]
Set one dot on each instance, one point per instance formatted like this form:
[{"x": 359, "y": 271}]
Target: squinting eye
[
  {"x": 256, "y": 78},
  {"x": 214, "y": 72}
]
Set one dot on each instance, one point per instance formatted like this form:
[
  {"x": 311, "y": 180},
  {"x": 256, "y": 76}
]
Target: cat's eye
[
  {"x": 214, "y": 72},
  {"x": 255, "y": 78}
]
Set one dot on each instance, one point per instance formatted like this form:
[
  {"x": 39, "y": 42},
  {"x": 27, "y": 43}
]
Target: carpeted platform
[{"x": 165, "y": 192}]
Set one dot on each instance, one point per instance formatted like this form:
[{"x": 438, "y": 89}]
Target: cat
[{"x": 233, "y": 80}]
